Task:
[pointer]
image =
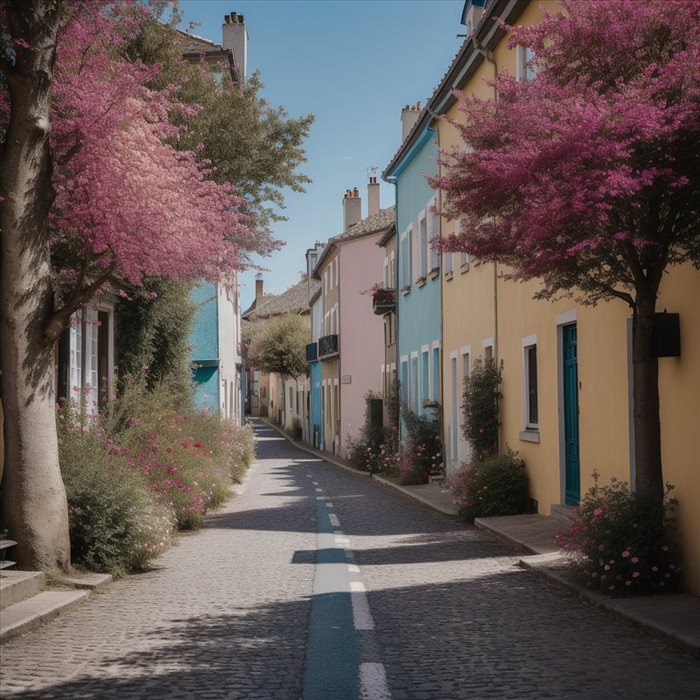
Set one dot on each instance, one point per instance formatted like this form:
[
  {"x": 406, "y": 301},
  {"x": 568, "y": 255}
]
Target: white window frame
[
  {"x": 527, "y": 344},
  {"x": 447, "y": 262},
  {"x": 433, "y": 234},
  {"x": 454, "y": 412},
  {"x": 488, "y": 348},
  {"x": 404, "y": 385},
  {"x": 424, "y": 386},
  {"x": 423, "y": 244},
  {"x": 435, "y": 366},
  {"x": 523, "y": 56},
  {"x": 414, "y": 382},
  {"x": 405, "y": 262}
]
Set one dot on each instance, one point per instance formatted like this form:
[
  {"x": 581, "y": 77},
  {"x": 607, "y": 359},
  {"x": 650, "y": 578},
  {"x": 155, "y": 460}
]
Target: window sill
[
  {"x": 464, "y": 268},
  {"x": 530, "y": 435},
  {"x": 420, "y": 282},
  {"x": 406, "y": 290},
  {"x": 449, "y": 275},
  {"x": 434, "y": 273}
]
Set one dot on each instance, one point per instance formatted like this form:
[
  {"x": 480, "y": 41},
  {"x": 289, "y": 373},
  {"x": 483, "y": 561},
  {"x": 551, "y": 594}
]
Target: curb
[
  {"x": 316, "y": 453},
  {"x": 552, "y": 567},
  {"x": 326, "y": 458},
  {"x": 417, "y": 496}
]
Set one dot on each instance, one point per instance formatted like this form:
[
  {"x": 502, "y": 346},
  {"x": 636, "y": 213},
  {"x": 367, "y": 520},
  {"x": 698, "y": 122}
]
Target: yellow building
[{"x": 567, "y": 396}]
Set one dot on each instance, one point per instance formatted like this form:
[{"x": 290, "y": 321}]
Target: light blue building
[
  {"x": 216, "y": 349},
  {"x": 418, "y": 297}
]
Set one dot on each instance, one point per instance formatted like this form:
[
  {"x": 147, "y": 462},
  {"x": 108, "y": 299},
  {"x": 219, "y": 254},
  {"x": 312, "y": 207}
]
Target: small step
[
  {"x": 7, "y": 563},
  {"x": 90, "y": 582},
  {"x": 562, "y": 512},
  {"x": 6, "y": 544},
  {"x": 18, "y": 585},
  {"x": 37, "y": 610}
]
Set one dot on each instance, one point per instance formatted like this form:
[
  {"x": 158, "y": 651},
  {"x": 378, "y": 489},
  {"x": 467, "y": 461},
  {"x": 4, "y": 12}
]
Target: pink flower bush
[{"x": 619, "y": 537}]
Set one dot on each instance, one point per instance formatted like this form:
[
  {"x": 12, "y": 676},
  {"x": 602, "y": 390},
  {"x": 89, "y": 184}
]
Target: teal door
[{"x": 571, "y": 438}]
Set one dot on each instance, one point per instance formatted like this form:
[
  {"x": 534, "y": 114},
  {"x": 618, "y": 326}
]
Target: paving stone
[{"x": 224, "y": 614}]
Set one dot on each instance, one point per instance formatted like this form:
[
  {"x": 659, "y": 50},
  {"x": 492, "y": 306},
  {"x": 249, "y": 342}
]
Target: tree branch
[{"x": 59, "y": 320}]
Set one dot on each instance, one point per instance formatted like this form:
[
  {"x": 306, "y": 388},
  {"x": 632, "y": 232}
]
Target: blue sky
[{"x": 354, "y": 64}]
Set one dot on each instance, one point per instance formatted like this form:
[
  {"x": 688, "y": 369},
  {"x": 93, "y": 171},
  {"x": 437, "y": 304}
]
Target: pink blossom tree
[
  {"x": 93, "y": 193},
  {"x": 587, "y": 177}
]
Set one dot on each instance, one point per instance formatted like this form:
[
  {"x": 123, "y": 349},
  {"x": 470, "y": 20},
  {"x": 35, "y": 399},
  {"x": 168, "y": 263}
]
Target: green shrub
[
  {"x": 115, "y": 524},
  {"x": 496, "y": 486},
  {"x": 153, "y": 336},
  {"x": 623, "y": 544},
  {"x": 183, "y": 457},
  {"x": 134, "y": 477},
  {"x": 480, "y": 408},
  {"x": 421, "y": 454},
  {"x": 365, "y": 452}
]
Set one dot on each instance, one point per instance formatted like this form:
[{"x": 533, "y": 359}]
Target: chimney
[
  {"x": 235, "y": 38},
  {"x": 372, "y": 196},
  {"x": 258, "y": 288},
  {"x": 352, "y": 208},
  {"x": 409, "y": 116},
  {"x": 471, "y": 15}
]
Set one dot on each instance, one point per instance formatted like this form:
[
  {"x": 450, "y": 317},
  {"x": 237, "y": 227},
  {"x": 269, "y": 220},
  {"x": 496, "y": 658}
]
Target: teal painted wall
[
  {"x": 204, "y": 341},
  {"x": 419, "y": 311},
  {"x": 315, "y": 376},
  {"x": 205, "y": 331}
]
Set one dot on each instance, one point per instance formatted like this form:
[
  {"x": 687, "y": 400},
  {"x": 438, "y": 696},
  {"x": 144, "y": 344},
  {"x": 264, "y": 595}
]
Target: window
[
  {"x": 325, "y": 281},
  {"x": 413, "y": 397},
  {"x": 530, "y": 383},
  {"x": 405, "y": 258},
  {"x": 392, "y": 269},
  {"x": 425, "y": 383},
  {"x": 465, "y": 364},
  {"x": 404, "y": 379},
  {"x": 423, "y": 247},
  {"x": 387, "y": 284},
  {"x": 488, "y": 350},
  {"x": 436, "y": 374},
  {"x": 76, "y": 353},
  {"x": 291, "y": 398},
  {"x": 524, "y": 70},
  {"x": 433, "y": 236},
  {"x": 462, "y": 224},
  {"x": 447, "y": 262}
]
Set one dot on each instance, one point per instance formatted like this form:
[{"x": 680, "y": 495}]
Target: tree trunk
[
  {"x": 33, "y": 497},
  {"x": 647, "y": 426}
]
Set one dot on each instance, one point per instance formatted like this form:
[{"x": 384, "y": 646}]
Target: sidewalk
[{"x": 674, "y": 618}]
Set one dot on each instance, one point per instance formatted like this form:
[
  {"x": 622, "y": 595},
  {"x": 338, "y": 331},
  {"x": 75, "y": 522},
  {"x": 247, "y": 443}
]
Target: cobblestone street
[{"x": 439, "y": 610}]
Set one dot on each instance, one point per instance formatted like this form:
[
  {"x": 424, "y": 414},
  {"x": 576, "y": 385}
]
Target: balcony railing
[
  {"x": 312, "y": 352},
  {"x": 327, "y": 346}
]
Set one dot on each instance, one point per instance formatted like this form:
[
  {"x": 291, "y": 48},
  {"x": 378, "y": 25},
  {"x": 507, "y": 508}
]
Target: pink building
[{"x": 351, "y": 343}]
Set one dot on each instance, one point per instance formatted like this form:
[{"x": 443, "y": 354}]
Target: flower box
[{"x": 383, "y": 301}]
